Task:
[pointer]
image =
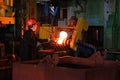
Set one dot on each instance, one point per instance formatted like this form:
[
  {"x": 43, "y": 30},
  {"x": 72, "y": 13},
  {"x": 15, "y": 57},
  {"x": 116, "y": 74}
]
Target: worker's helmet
[
  {"x": 73, "y": 20},
  {"x": 31, "y": 22}
]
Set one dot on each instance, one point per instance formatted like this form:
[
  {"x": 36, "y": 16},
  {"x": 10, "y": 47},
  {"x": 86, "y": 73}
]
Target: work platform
[{"x": 23, "y": 71}]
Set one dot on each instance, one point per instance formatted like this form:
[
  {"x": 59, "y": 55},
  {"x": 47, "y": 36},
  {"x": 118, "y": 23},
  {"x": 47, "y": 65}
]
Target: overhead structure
[{"x": 6, "y": 12}]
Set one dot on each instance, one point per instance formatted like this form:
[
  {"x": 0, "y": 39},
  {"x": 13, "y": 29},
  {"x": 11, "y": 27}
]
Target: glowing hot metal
[{"x": 62, "y": 37}]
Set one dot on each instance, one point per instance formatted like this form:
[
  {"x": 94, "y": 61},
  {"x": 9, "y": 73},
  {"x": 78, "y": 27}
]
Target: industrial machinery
[
  {"x": 65, "y": 39},
  {"x": 7, "y": 21},
  {"x": 64, "y": 47},
  {"x": 59, "y": 44}
]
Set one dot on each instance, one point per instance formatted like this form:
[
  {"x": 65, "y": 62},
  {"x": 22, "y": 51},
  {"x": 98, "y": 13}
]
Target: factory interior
[{"x": 59, "y": 40}]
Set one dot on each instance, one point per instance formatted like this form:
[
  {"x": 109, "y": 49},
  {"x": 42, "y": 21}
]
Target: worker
[
  {"x": 77, "y": 44},
  {"x": 73, "y": 21},
  {"x": 71, "y": 26},
  {"x": 29, "y": 41}
]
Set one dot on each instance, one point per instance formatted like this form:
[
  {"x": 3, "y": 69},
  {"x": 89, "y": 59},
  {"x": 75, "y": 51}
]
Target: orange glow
[
  {"x": 7, "y": 20},
  {"x": 62, "y": 37}
]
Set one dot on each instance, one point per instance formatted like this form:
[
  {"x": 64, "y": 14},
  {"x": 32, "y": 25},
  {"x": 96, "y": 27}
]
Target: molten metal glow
[{"x": 62, "y": 37}]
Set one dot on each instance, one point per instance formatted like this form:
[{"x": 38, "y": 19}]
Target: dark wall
[{"x": 95, "y": 36}]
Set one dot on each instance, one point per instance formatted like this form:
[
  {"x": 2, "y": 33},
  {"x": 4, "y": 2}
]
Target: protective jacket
[{"x": 28, "y": 45}]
